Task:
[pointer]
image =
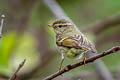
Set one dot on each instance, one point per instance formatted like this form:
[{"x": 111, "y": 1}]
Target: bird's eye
[{"x": 60, "y": 26}]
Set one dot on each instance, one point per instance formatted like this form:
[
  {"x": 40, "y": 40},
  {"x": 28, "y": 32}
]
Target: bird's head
[{"x": 61, "y": 25}]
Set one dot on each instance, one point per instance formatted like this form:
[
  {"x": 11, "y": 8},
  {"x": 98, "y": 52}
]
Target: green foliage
[
  {"x": 26, "y": 49},
  {"x": 7, "y": 45},
  {"x": 11, "y": 55}
]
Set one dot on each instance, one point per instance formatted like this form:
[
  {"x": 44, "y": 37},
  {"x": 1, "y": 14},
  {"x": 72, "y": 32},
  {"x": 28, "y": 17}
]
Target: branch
[
  {"x": 104, "y": 24},
  {"x": 1, "y": 25},
  {"x": 14, "y": 76},
  {"x": 91, "y": 59}
]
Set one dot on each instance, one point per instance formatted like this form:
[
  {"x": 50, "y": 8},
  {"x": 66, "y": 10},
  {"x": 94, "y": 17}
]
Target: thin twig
[
  {"x": 1, "y": 25},
  {"x": 46, "y": 58},
  {"x": 91, "y": 59},
  {"x": 14, "y": 76}
]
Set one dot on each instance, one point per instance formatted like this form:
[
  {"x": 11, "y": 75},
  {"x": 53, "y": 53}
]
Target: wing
[{"x": 70, "y": 42}]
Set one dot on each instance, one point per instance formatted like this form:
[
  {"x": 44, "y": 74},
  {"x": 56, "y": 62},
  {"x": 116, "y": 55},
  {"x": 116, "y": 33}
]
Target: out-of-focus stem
[{"x": 1, "y": 25}]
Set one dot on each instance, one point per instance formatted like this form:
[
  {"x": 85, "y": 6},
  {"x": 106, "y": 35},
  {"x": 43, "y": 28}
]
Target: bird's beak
[{"x": 50, "y": 25}]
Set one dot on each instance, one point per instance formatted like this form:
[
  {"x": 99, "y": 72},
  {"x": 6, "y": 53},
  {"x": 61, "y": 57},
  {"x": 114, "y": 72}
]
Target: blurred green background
[{"x": 27, "y": 36}]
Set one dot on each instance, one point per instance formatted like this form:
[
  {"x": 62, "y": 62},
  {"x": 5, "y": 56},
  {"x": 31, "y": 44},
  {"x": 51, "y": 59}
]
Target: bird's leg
[
  {"x": 60, "y": 67},
  {"x": 84, "y": 58}
]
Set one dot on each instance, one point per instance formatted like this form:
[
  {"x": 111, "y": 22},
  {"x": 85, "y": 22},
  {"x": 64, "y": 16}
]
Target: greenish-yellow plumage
[{"x": 70, "y": 41}]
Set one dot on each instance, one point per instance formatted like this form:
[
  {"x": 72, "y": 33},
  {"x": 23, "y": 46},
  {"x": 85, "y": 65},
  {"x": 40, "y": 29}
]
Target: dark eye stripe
[{"x": 62, "y": 26}]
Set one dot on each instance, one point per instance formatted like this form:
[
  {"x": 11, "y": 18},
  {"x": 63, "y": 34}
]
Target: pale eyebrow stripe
[{"x": 64, "y": 24}]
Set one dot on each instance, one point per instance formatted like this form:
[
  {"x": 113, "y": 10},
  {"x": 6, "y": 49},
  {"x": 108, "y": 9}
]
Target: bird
[{"x": 70, "y": 41}]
